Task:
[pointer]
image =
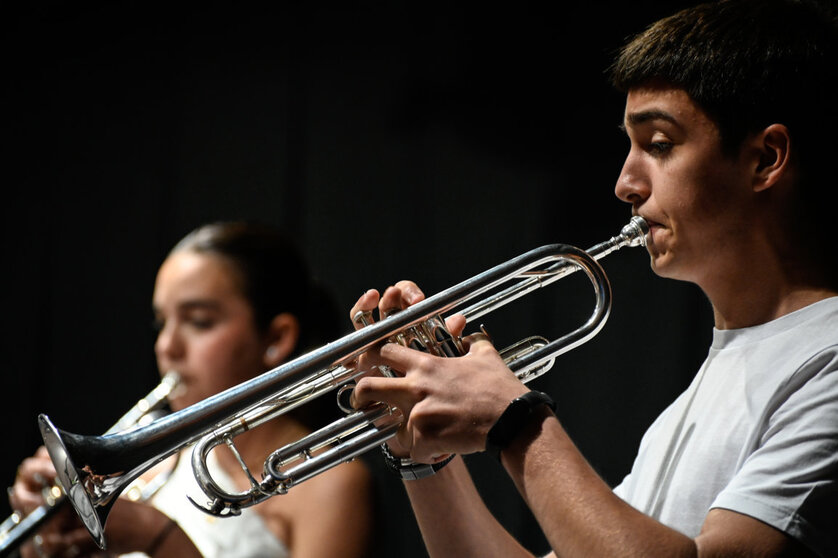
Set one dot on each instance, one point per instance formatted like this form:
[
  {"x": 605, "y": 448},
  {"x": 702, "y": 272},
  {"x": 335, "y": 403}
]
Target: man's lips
[
  {"x": 652, "y": 223},
  {"x": 654, "y": 226},
  {"x": 649, "y": 221}
]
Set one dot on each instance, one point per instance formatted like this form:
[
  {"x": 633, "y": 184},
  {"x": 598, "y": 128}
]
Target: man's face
[{"x": 694, "y": 198}]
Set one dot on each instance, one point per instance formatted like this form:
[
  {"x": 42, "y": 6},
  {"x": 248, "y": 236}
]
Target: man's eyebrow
[{"x": 637, "y": 118}]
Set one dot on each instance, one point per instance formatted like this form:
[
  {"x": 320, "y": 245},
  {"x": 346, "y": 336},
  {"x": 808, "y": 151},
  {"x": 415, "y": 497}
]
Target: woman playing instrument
[{"x": 231, "y": 300}]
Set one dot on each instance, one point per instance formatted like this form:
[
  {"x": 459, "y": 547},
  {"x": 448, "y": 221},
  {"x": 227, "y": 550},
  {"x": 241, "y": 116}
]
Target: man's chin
[{"x": 662, "y": 266}]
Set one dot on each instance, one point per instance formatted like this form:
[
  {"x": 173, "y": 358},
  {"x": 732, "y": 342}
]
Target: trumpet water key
[{"x": 95, "y": 469}]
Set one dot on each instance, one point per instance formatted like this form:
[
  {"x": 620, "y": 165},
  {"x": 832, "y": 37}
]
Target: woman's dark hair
[
  {"x": 275, "y": 279},
  {"x": 273, "y": 274}
]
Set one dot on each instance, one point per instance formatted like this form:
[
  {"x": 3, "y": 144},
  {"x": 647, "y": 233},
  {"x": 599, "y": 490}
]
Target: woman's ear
[
  {"x": 773, "y": 145},
  {"x": 283, "y": 333}
]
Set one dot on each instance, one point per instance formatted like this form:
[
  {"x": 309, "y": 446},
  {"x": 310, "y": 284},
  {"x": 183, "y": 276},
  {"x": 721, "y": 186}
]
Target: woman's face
[{"x": 206, "y": 327}]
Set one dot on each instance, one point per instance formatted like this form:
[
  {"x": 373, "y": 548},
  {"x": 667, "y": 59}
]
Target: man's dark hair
[{"x": 749, "y": 64}]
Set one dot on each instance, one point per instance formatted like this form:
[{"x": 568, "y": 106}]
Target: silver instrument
[
  {"x": 16, "y": 528},
  {"x": 95, "y": 469}
]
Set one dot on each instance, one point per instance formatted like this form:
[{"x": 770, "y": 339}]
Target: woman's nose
[{"x": 169, "y": 346}]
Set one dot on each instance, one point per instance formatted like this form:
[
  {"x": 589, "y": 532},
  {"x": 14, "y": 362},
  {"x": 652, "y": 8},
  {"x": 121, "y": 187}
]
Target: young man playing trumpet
[{"x": 729, "y": 111}]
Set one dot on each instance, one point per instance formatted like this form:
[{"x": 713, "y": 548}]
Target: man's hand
[{"x": 449, "y": 404}]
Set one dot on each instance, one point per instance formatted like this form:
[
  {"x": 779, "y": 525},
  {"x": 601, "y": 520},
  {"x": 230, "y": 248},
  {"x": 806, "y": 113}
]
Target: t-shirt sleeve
[{"x": 791, "y": 481}]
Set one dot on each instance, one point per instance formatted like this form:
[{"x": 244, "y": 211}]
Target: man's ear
[
  {"x": 773, "y": 145},
  {"x": 283, "y": 333}
]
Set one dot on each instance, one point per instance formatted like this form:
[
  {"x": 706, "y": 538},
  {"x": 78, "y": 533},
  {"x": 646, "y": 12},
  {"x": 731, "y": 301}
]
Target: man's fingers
[
  {"x": 455, "y": 324},
  {"x": 411, "y": 293},
  {"x": 475, "y": 340},
  {"x": 361, "y": 312},
  {"x": 400, "y": 296},
  {"x": 371, "y": 389},
  {"x": 399, "y": 357},
  {"x": 391, "y": 302}
]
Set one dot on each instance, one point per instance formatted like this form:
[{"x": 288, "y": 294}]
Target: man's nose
[{"x": 632, "y": 185}]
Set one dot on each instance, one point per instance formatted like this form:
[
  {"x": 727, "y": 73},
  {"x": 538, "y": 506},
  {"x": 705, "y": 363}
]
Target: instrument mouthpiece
[{"x": 635, "y": 232}]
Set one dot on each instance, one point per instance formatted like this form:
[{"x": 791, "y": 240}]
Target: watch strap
[
  {"x": 514, "y": 418},
  {"x": 408, "y": 469}
]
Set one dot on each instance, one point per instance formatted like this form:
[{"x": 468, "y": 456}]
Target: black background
[{"x": 392, "y": 140}]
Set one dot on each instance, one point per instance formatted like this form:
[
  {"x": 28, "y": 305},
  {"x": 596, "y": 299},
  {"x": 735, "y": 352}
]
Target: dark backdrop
[{"x": 393, "y": 141}]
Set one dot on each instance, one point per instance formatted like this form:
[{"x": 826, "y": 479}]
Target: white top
[
  {"x": 242, "y": 536},
  {"x": 756, "y": 432}
]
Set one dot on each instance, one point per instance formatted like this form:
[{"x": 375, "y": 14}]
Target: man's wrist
[
  {"x": 408, "y": 469},
  {"x": 514, "y": 419}
]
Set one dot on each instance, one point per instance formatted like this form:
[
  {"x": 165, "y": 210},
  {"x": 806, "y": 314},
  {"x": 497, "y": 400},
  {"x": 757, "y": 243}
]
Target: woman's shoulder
[
  {"x": 346, "y": 484},
  {"x": 347, "y": 478}
]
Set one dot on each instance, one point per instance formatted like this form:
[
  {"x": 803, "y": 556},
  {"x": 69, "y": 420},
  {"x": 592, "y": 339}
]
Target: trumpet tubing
[{"x": 95, "y": 469}]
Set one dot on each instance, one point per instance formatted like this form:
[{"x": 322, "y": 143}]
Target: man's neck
[
  {"x": 751, "y": 311},
  {"x": 759, "y": 277}
]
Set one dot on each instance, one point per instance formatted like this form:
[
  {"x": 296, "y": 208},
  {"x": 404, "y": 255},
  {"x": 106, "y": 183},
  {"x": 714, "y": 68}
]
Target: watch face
[
  {"x": 513, "y": 420},
  {"x": 518, "y": 411},
  {"x": 510, "y": 422}
]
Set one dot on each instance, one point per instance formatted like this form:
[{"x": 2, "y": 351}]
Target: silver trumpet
[
  {"x": 16, "y": 529},
  {"x": 95, "y": 469}
]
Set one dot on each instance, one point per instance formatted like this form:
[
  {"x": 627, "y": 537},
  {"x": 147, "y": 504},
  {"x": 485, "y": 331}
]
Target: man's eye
[{"x": 660, "y": 147}]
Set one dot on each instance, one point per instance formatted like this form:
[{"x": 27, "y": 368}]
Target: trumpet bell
[
  {"x": 15, "y": 530},
  {"x": 92, "y": 516}
]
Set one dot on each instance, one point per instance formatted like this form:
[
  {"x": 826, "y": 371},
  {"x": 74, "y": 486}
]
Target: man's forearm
[
  {"x": 578, "y": 512},
  {"x": 453, "y": 518}
]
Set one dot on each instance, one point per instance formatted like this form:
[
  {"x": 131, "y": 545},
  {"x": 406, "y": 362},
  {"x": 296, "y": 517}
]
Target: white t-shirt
[
  {"x": 242, "y": 536},
  {"x": 756, "y": 432}
]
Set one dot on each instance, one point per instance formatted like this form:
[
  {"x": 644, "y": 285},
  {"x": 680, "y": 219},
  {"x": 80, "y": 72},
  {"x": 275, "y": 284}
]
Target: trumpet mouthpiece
[{"x": 635, "y": 232}]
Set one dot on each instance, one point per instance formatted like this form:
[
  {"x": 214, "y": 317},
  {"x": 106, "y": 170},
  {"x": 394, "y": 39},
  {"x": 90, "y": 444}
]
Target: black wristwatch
[
  {"x": 408, "y": 469},
  {"x": 514, "y": 419}
]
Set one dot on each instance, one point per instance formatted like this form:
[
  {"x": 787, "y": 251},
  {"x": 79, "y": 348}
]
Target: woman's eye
[{"x": 202, "y": 323}]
